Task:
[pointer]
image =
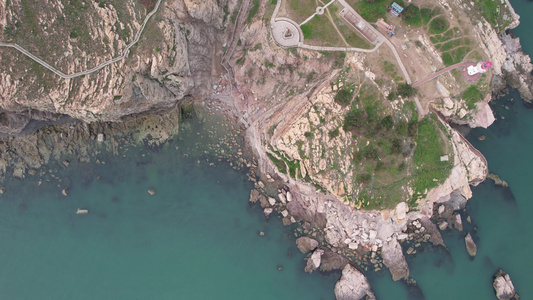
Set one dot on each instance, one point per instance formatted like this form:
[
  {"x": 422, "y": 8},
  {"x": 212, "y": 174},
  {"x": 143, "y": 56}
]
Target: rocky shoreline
[{"x": 337, "y": 235}]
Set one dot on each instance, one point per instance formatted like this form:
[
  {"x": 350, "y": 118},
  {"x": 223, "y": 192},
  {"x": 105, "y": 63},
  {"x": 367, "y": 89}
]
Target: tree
[
  {"x": 344, "y": 97},
  {"x": 406, "y": 90}
]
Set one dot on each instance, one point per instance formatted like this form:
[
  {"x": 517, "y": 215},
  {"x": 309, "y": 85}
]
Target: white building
[{"x": 481, "y": 67}]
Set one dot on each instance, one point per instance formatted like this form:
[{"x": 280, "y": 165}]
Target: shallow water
[{"x": 196, "y": 238}]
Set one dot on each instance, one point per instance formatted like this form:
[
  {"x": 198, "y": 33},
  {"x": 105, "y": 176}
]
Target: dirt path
[
  {"x": 437, "y": 74},
  {"x": 98, "y": 67}
]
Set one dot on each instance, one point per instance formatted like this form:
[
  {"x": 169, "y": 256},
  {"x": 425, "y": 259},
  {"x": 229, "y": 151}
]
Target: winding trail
[
  {"x": 98, "y": 67},
  {"x": 437, "y": 74}
]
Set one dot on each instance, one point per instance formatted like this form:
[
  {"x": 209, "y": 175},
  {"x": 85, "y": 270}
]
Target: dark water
[
  {"x": 196, "y": 238},
  {"x": 502, "y": 216}
]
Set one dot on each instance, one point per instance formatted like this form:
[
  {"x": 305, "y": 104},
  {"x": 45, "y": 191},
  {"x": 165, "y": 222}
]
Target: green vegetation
[
  {"x": 372, "y": 10},
  {"x": 438, "y": 25},
  {"x": 334, "y": 133},
  {"x": 307, "y": 31},
  {"x": 344, "y": 96},
  {"x": 280, "y": 164},
  {"x": 253, "y": 11},
  {"x": 411, "y": 15},
  {"x": 319, "y": 31},
  {"x": 426, "y": 15},
  {"x": 471, "y": 96},
  {"x": 299, "y": 10},
  {"x": 430, "y": 170},
  {"x": 406, "y": 90},
  {"x": 493, "y": 12},
  {"x": 450, "y": 42}
]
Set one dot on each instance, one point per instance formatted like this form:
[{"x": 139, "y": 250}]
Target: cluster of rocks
[{"x": 503, "y": 286}]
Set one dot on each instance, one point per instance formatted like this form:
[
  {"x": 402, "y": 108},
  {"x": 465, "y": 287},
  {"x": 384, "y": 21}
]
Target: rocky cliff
[{"x": 174, "y": 58}]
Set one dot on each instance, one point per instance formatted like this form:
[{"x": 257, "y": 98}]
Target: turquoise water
[
  {"x": 197, "y": 238},
  {"x": 502, "y": 216}
]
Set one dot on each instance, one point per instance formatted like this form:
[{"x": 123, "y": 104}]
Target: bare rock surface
[
  {"x": 306, "y": 244},
  {"x": 353, "y": 285},
  {"x": 503, "y": 286},
  {"x": 394, "y": 259}
]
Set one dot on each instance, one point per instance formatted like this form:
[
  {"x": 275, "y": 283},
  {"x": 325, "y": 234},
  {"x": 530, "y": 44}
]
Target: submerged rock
[
  {"x": 306, "y": 244},
  {"x": 471, "y": 247},
  {"x": 394, "y": 259},
  {"x": 151, "y": 192},
  {"x": 353, "y": 285},
  {"x": 503, "y": 286}
]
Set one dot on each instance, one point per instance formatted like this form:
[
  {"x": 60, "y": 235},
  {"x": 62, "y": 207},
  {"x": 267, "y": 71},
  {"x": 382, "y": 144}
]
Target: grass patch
[
  {"x": 430, "y": 170},
  {"x": 471, "y": 96},
  {"x": 438, "y": 25},
  {"x": 253, "y": 11},
  {"x": 299, "y": 10},
  {"x": 371, "y": 11},
  {"x": 320, "y": 32},
  {"x": 280, "y": 164}
]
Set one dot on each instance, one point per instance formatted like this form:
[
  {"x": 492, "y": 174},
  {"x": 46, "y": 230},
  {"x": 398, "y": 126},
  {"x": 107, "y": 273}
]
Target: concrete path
[
  {"x": 98, "y": 67},
  {"x": 323, "y": 9},
  {"x": 437, "y": 74}
]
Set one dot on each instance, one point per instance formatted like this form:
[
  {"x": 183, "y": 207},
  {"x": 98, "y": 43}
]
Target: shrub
[
  {"x": 355, "y": 118},
  {"x": 411, "y": 15},
  {"x": 401, "y": 128},
  {"x": 387, "y": 122},
  {"x": 364, "y": 178},
  {"x": 391, "y": 96},
  {"x": 334, "y": 133},
  {"x": 344, "y": 96},
  {"x": 396, "y": 147}
]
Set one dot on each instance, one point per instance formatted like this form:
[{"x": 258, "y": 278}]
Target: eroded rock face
[
  {"x": 353, "y": 285},
  {"x": 394, "y": 259},
  {"x": 172, "y": 59},
  {"x": 503, "y": 286}
]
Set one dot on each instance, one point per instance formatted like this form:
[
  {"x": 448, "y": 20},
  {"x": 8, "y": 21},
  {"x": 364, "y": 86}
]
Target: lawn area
[
  {"x": 320, "y": 32},
  {"x": 371, "y": 11},
  {"x": 299, "y": 10},
  {"x": 471, "y": 96},
  {"x": 429, "y": 170}
]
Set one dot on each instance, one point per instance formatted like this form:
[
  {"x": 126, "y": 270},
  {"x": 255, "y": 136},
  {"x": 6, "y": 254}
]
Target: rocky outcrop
[
  {"x": 394, "y": 259},
  {"x": 503, "y": 286},
  {"x": 353, "y": 286},
  {"x": 306, "y": 244},
  {"x": 517, "y": 67},
  {"x": 471, "y": 247}
]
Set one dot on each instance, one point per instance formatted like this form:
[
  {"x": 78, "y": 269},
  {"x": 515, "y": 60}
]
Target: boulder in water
[
  {"x": 313, "y": 262},
  {"x": 353, "y": 285},
  {"x": 503, "y": 286},
  {"x": 306, "y": 244},
  {"x": 394, "y": 259},
  {"x": 471, "y": 247},
  {"x": 151, "y": 192}
]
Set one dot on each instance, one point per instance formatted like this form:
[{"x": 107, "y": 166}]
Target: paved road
[
  {"x": 437, "y": 74},
  {"x": 383, "y": 38},
  {"x": 98, "y": 67}
]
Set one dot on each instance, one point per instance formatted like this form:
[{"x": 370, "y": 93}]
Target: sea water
[
  {"x": 502, "y": 225},
  {"x": 196, "y": 238}
]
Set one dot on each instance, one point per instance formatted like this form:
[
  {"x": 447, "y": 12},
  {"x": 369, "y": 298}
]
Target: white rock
[
  {"x": 441, "y": 209},
  {"x": 282, "y": 198},
  {"x": 268, "y": 211},
  {"x": 289, "y": 197},
  {"x": 284, "y": 213},
  {"x": 271, "y": 200},
  {"x": 353, "y": 285},
  {"x": 100, "y": 137},
  {"x": 401, "y": 211},
  {"x": 372, "y": 235}
]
